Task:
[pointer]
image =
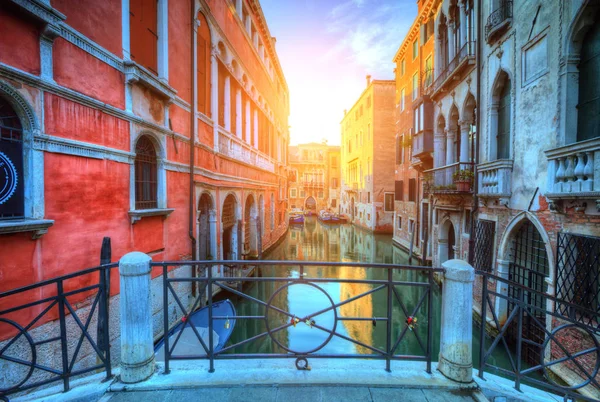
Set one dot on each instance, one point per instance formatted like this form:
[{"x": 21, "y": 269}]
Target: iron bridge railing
[
  {"x": 55, "y": 330},
  {"x": 390, "y": 288},
  {"x": 566, "y": 345}
]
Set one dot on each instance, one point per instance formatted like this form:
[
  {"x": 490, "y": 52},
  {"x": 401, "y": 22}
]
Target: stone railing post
[
  {"x": 456, "y": 341},
  {"x": 137, "y": 351}
]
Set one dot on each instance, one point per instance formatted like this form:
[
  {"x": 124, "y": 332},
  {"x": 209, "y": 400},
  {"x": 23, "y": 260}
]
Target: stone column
[
  {"x": 464, "y": 141},
  {"x": 227, "y": 102},
  {"x": 238, "y": 113},
  {"x": 248, "y": 133},
  {"x": 439, "y": 152},
  {"x": 456, "y": 341},
  {"x": 253, "y": 237},
  {"x": 137, "y": 343},
  {"x": 450, "y": 135},
  {"x": 214, "y": 95},
  {"x": 255, "y": 128},
  {"x": 501, "y": 306}
]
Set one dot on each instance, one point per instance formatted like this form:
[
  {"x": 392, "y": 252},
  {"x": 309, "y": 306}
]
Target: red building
[{"x": 96, "y": 122}]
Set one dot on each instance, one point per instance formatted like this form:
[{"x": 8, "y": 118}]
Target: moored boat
[
  {"x": 188, "y": 343},
  {"x": 296, "y": 219}
]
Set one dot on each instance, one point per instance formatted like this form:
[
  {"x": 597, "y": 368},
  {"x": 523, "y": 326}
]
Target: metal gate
[
  {"x": 529, "y": 267},
  {"x": 484, "y": 245}
]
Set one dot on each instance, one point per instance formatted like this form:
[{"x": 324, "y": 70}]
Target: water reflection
[{"x": 315, "y": 241}]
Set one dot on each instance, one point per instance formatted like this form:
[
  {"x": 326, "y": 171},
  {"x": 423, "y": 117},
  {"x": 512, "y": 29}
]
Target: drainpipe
[
  {"x": 192, "y": 141},
  {"x": 475, "y": 148}
]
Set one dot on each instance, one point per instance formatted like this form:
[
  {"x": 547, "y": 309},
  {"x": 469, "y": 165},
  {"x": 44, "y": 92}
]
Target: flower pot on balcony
[{"x": 463, "y": 185}]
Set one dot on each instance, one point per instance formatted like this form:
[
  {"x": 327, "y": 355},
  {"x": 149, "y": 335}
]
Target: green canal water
[{"x": 315, "y": 241}]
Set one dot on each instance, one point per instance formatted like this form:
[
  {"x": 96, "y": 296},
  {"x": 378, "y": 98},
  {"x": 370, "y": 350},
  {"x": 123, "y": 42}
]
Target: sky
[{"x": 326, "y": 49}]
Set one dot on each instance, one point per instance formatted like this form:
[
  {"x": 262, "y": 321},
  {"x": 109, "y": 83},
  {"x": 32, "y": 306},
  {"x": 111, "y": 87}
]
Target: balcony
[
  {"x": 464, "y": 57},
  {"x": 572, "y": 172},
  {"x": 312, "y": 184},
  {"x": 238, "y": 149},
  {"x": 499, "y": 20},
  {"x": 494, "y": 180},
  {"x": 451, "y": 179}
]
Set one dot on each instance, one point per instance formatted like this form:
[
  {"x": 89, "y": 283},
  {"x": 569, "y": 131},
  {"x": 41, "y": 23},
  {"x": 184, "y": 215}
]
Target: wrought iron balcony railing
[
  {"x": 454, "y": 178},
  {"x": 466, "y": 51},
  {"x": 498, "y": 19}
]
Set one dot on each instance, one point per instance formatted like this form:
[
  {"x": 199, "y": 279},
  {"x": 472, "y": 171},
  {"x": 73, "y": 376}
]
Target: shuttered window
[
  {"x": 144, "y": 33},
  {"x": 399, "y": 190},
  {"x": 412, "y": 190}
]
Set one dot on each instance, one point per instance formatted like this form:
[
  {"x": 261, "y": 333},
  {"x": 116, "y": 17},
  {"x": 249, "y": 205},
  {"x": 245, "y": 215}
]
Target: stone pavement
[{"x": 281, "y": 393}]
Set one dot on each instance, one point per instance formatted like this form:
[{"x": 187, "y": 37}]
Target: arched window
[
  {"x": 500, "y": 117},
  {"x": 203, "y": 65},
  {"x": 504, "y": 122},
  {"x": 12, "y": 204},
  {"x": 588, "y": 119},
  {"x": 146, "y": 177}
]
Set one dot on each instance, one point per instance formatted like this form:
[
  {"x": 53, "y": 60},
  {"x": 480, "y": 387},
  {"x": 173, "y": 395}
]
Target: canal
[{"x": 315, "y": 241}]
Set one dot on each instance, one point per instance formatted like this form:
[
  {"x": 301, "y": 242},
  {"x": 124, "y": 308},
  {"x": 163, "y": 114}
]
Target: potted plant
[{"x": 463, "y": 179}]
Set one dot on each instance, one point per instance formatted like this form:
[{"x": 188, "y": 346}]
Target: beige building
[
  {"x": 367, "y": 191},
  {"x": 315, "y": 177}
]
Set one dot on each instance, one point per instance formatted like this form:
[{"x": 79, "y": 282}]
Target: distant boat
[
  {"x": 296, "y": 218},
  {"x": 328, "y": 217},
  {"x": 188, "y": 343}
]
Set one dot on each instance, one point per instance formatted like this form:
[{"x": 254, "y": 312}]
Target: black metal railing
[
  {"x": 466, "y": 51},
  {"x": 456, "y": 177},
  {"x": 55, "y": 330},
  {"x": 390, "y": 291},
  {"x": 565, "y": 346},
  {"x": 498, "y": 16}
]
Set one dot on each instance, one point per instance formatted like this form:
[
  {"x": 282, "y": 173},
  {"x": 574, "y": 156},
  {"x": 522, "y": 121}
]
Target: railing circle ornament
[
  {"x": 20, "y": 362},
  {"x": 304, "y": 320},
  {"x": 570, "y": 359}
]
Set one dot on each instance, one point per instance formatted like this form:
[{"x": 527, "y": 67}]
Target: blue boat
[
  {"x": 296, "y": 219},
  {"x": 188, "y": 343}
]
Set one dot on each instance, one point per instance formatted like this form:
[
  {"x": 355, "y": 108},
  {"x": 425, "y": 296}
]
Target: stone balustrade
[
  {"x": 494, "y": 178},
  {"x": 238, "y": 149},
  {"x": 574, "y": 170}
]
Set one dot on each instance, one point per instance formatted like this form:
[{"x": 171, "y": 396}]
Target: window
[
  {"x": 333, "y": 203},
  {"x": 588, "y": 116},
  {"x": 412, "y": 190},
  {"x": 302, "y": 193},
  {"x": 399, "y": 222},
  {"x": 415, "y": 48},
  {"x": 504, "y": 120},
  {"x": 415, "y": 86},
  {"x": 389, "y": 202},
  {"x": 411, "y": 225},
  {"x": 146, "y": 177},
  {"x": 334, "y": 182},
  {"x": 399, "y": 190},
  {"x": 143, "y": 28},
  {"x": 368, "y": 102},
  {"x": 293, "y": 193},
  {"x": 402, "y": 94},
  {"x": 402, "y": 67},
  {"x": 368, "y": 197},
  {"x": 401, "y": 149},
  {"x": 428, "y": 72},
  {"x": 203, "y": 47},
  {"x": 369, "y": 132},
  {"x": 321, "y": 194},
  {"x": 12, "y": 201},
  {"x": 398, "y": 150}
]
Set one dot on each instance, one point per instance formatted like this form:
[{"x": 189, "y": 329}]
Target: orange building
[
  {"x": 414, "y": 135},
  {"x": 107, "y": 107},
  {"x": 315, "y": 171}
]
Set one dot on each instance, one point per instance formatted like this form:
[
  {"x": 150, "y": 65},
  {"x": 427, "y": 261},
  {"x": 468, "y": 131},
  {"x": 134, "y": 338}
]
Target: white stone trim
[
  {"x": 184, "y": 168},
  {"x": 42, "y": 11},
  {"x": 91, "y": 47},
  {"x": 49, "y": 143}
]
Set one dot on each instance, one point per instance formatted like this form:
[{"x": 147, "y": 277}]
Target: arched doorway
[
  {"x": 446, "y": 242},
  {"x": 310, "y": 204},
  {"x": 529, "y": 267},
  {"x": 250, "y": 229},
  {"x": 206, "y": 228},
  {"x": 229, "y": 228}
]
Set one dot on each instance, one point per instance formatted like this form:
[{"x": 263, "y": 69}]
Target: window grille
[
  {"x": 484, "y": 245},
  {"x": 12, "y": 201},
  {"x": 577, "y": 276},
  {"x": 145, "y": 174}
]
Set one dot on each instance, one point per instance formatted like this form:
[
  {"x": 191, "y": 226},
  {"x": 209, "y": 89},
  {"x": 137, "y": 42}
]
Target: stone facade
[
  {"x": 367, "y": 187},
  {"x": 315, "y": 177}
]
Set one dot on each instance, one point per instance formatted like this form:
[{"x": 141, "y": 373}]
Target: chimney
[{"x": 368, "y": 80}]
